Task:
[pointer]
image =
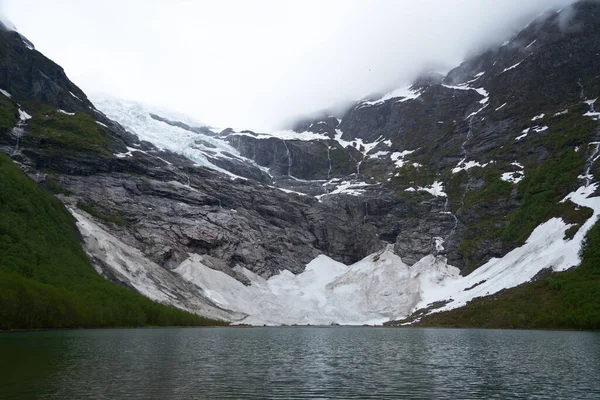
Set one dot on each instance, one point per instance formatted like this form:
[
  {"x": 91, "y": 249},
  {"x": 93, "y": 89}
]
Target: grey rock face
[{"x": 168, "y": 208}]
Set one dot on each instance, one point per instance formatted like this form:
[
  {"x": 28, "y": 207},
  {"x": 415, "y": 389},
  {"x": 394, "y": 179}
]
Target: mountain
[{"x": 412, "y": 203}]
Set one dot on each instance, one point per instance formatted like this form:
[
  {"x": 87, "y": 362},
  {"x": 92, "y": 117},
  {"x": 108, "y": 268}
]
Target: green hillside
[
  {"x": 567, "y": 300},
  {"x": 46, "y": 280}
]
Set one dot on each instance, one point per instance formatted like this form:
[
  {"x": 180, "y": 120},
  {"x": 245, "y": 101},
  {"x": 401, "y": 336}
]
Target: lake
[{"x": 265, "y": 363}]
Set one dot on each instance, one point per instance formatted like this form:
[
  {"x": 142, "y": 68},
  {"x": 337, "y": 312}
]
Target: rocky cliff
[{"x": 461, "y": 167}]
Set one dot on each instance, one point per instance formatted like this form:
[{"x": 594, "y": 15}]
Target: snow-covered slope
[
  {"x": 379, "y": 288},
  {"x": 201, "y": 148}
]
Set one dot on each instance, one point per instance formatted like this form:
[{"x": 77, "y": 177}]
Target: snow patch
[
  {"x": 530, "y": 44},
  {"x": 23, "y": 116},
  {"x": 65, "y": 112},
  {"x": 72, "y": 94},
  {"x": 565, "y": 112},
  {"x": 347, "y": 187},
  {"x": 463, "y": 166},
  {"x": 398, "y": 157},
  {"x": 403, "y": 94},
  {"x": 501, "y": 107},
  {"x": 546, "y": 247},
  {"x": 435, "y": 189},
  {"x": 511, "y": 67},
  {"x": 538, "y": 117},
  {"x": 515, "y": 176},
  {"x": 4, "y": 92}
]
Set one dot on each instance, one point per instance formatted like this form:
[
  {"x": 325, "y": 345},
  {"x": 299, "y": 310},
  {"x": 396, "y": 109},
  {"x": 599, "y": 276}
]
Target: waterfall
[
  {"x": 289, "y": 157},
  {"x": 590, "y": 162},
  {"x": 328, "y": 160}
]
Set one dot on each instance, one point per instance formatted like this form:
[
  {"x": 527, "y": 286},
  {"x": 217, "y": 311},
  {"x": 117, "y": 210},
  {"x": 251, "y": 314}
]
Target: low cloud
[{"x": 258, "y": 64}]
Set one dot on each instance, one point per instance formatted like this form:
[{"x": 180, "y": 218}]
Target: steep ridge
[{"x": 485, "y": 169}]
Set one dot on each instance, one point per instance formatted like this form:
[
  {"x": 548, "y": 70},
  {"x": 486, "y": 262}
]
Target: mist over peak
[{"x": 261, "y": 66}]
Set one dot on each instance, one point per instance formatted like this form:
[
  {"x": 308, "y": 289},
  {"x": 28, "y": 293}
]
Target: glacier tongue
[{"x": 375, "y": 290}]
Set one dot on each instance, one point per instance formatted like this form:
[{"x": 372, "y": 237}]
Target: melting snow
[
  {"x": 546, "y": 247},
  {"x": 539, "y": 129},
  {"x": 398, "y": 157},
  {"x": 379, "y": 154},
  {"x": 562, "y": 113},
  {"x": 463, "y": 166},
  {"x": 404, "y": 93},
  {"x": 374, "y": 290},
  {"x": 71, "y": 93},
  {"x": 516, "y": 176},
  {"x": 347, "y": 187},
  {"x": 23, "y": 116},
  {"x": 511, "y": 67},
  {"x": 538, "y": 117},
  {"x": 435, "y": 189}
]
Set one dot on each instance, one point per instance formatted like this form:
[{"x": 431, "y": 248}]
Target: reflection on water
[{"x": 299, "y": 363}]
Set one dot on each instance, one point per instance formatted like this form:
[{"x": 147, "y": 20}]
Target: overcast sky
[{"x": 254, "y": 64}]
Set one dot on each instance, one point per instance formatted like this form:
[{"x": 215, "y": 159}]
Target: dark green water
[{"x": 299, "y": 363}]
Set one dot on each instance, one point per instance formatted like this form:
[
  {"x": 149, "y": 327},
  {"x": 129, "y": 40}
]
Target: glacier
[{"x": 377, "y": 289}]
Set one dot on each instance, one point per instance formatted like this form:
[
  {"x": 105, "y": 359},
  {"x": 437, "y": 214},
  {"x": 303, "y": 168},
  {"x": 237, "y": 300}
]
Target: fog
[{"x": 255, "y": 64}]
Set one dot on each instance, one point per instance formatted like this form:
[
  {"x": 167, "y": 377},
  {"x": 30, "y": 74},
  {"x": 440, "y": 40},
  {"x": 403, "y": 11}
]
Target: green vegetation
[
  {"x": 55, "y": 187},
  {"x": 541, "y": 191},
  {"x": 60, "y": 133},
  {"x": 91, "y": 209},
  {"x": 566, "y": 300},
  {"x": 46, "y": 280},
  {"x": 411, "y": 176},
  {"x": 9, "y": 114}
]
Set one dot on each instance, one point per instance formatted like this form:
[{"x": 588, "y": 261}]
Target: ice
[
  {"x": 538, "y": 117},
  {"x": 65, "y": 112},
  {"x": 199, "y": 148},
  {"x": 403, "y": 94},
  {"x": 286, "y": 135},
  {"x": 374, "y": 290},
  {"x": 130, "y": 266},
  {"x": 511, "y": 67},
  {"x": 4, "y": 92}
]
